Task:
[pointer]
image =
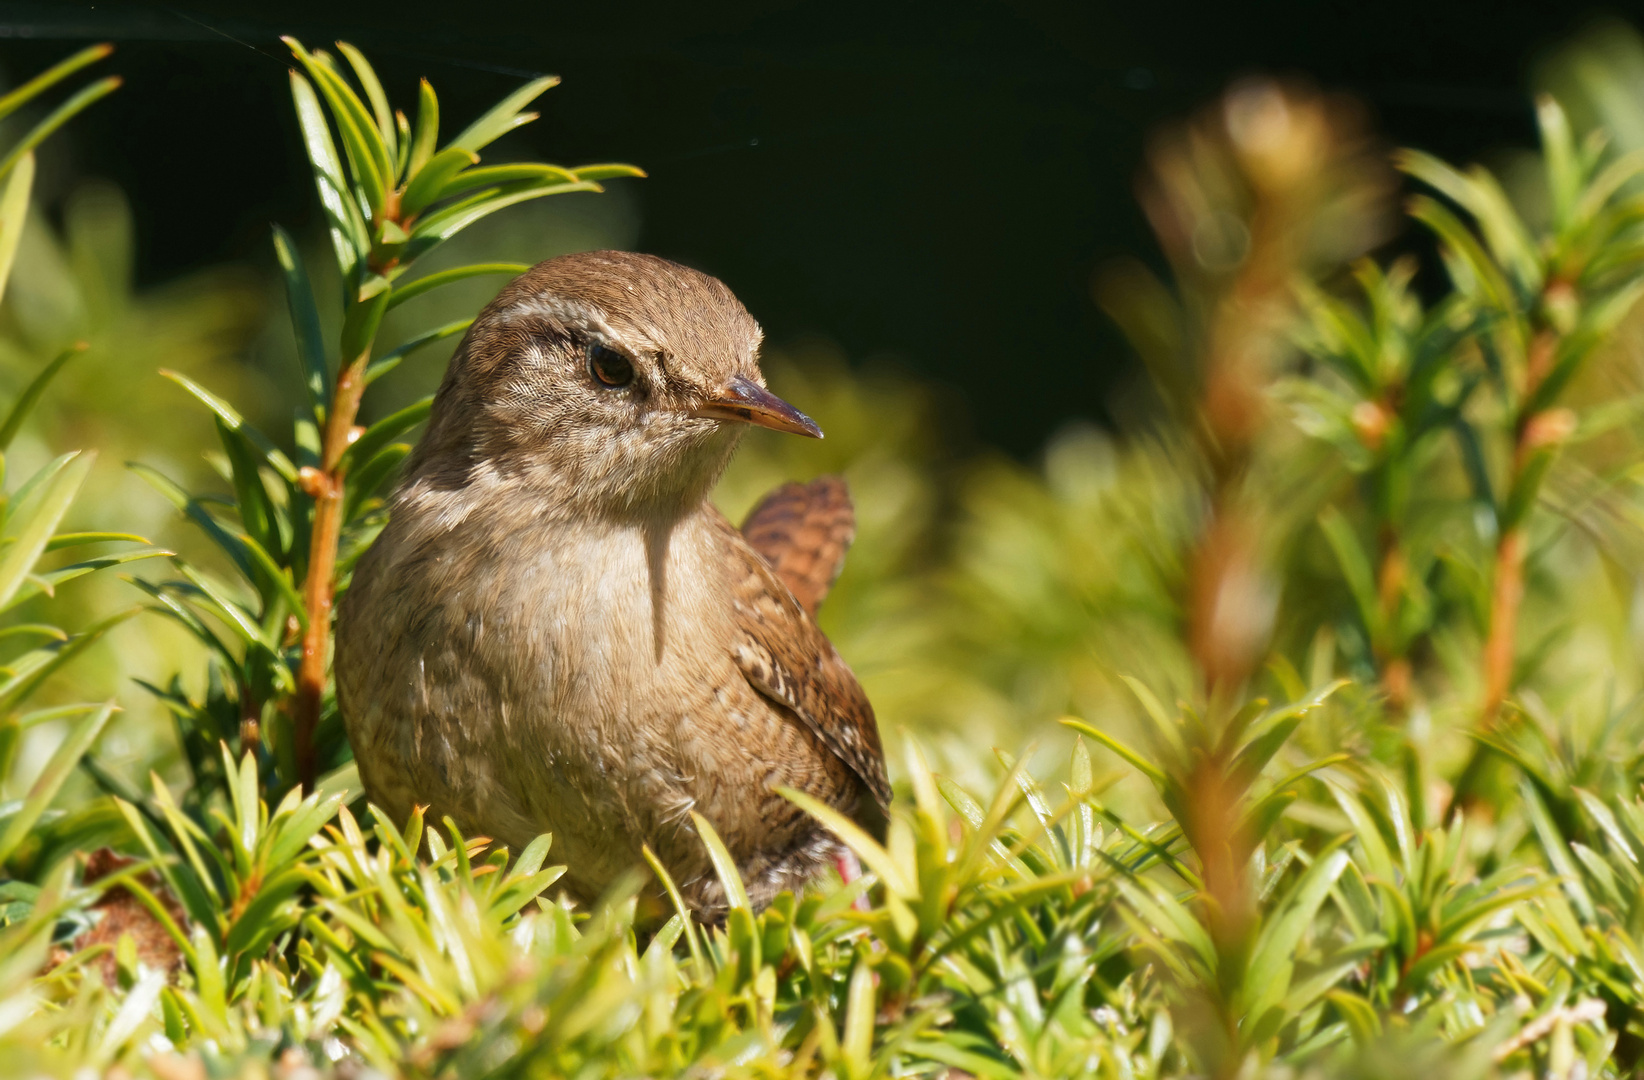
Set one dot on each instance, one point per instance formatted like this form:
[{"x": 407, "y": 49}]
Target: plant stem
[
  {"x": 251, "y": 713},
  {"x": 1507, "y": 588},
  {"x": 1506, "y": 595},
  {"x": 326, "y": 487},
  {"x": 1391, "y": 580}
]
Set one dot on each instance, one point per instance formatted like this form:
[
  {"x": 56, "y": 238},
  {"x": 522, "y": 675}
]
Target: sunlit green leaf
[
  {"x": 504, "y": 116},
  {"x": 83, "y": 731},
  {"x": 35, "y": 529},
  {"x": 32, "y": 393},
  {"x": 411, "y": 289}
]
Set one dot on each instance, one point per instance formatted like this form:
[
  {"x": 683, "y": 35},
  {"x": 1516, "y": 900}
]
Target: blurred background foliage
[{"x": 828, "y": 160}]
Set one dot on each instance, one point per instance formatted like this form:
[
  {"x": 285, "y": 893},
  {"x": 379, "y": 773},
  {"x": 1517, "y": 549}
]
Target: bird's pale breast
[{"x": 538, "y": 676}]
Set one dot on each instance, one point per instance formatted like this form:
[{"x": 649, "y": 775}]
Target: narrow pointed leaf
[
  {"x": 612, "y": 171},
  {"x": 427, "y": 132},
  {"x": 1276, "y": 948},
  {"x": 856, "y": 838},
  {"x": 191, "y": 508},
  {"x": 384, "y": 431},
  {"x": 76, "y": 539},
  {"x": 349, "y": 238},
  {"x": 277, "y": 576},
  {"x": 373, "y": 93},
  {"x": 411, "y": 289},
  {"x": 14, "y": 212},
  {"x": 49, "y": 580},
  {"x": 305, "y": 321},
  {"x": 272, "y": 454},
  {"x": 31, "y": 394},
  {"x": 447, "y": 222},
  {"x": 82, "y": 733},
  {"x": 430, "y": 179},
  {"x": 365, "y": 481},
  {"x": 681, "y": 911},
  {"x": 368, "y": 156},
  {"x": 736, "y": 896},
  {"x": 490, "y": 175},
  {"x": 503, "y": 117},
  {"x": 390, "y": 360},
  {"x": 33, "y": 669},
  {"x": 18, "y": 560},
  {"x": 57, "y": 118},
  {"x": 1136, "y": 760},
  {"x": 15, "y": 99}
]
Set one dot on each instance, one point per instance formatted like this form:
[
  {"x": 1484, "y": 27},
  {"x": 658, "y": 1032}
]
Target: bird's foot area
[{"x": 850, "y": 869}]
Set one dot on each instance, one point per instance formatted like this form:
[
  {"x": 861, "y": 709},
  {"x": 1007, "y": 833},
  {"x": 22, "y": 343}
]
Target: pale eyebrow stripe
[
  {"x": 574, "y": 315},
  {"x": 570, "y": 314}
]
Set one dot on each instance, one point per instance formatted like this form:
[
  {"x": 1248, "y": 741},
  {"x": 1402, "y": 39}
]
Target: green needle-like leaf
[
  {"x": 349, "y": 238},
  {"x": 875, "y": 857},
  {"x": 425, "y": 140},
  {"x": 14, "y": 212},
  {"x": 27, "y": 673},
  {"x": 371, "y": 163},
  {"x": 384, "y": 431},
  {"x": 432, "y": 177},
  {"x": 35, "y": 529},
  {"x": 367, "y": 479},
  {"x": 373, "y": 93},
  {"x": 491, "y": 175},
  {"x": 503, "y": 117},
  {"x": 446, "y": 222},
  {"x": 416, "y": 288},
  {"x": 82, "y": 733},
  {"x": 1355, "y": 569},
  {"x": 390, "y": 360},
  {"x": 15, "y": 99},
  {"x": 1138, "y": 761},
  {"x": 191, "y": 507},
  {"x": 611, "y": 171},
  {"x": 59, "y": 116},
  {"x": 31, "y": 394},
  {"x": 736, "y": 896},
  {"x": 271, "y": 454},
  {"x": 68, "y": 540},
  {"x": 305, "y": 322}
]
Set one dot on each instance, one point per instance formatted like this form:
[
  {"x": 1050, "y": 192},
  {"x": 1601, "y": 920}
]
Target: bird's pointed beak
[{"x": 745, "y": 400}]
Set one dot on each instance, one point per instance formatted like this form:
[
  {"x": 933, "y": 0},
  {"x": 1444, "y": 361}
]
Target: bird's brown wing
[
  {"x": 803, "y": 531},
  {"x": 786, "y": 657}
]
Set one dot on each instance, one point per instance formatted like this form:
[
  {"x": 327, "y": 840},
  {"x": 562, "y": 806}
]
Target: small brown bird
[{"x": 557, "y": 632}]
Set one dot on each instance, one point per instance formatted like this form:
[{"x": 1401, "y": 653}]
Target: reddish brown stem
[
  {"x": 325, "y": 485},
  {"x": 1507, "y": 589},
  {"x": 251, "y": 713},
  {"x": 1506, "y": 595},
  {"x": 1224, "y": 851},
  {"x": 1390, "y": 584}
]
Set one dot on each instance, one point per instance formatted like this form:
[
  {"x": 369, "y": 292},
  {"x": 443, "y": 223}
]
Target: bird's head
[{"x": 609, "y": 379}]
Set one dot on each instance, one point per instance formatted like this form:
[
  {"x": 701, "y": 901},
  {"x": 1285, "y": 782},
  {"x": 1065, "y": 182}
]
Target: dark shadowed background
[{"x": 933, "y": 183}]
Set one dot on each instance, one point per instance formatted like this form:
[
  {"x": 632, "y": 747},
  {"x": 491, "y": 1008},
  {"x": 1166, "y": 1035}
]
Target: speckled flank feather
[
  {"x": 789, "y": 660},
  {"x": 556, "y": 632}
]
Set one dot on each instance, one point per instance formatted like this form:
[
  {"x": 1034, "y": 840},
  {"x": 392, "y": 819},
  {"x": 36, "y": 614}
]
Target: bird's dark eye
[{"x": 610, "y": 367}]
